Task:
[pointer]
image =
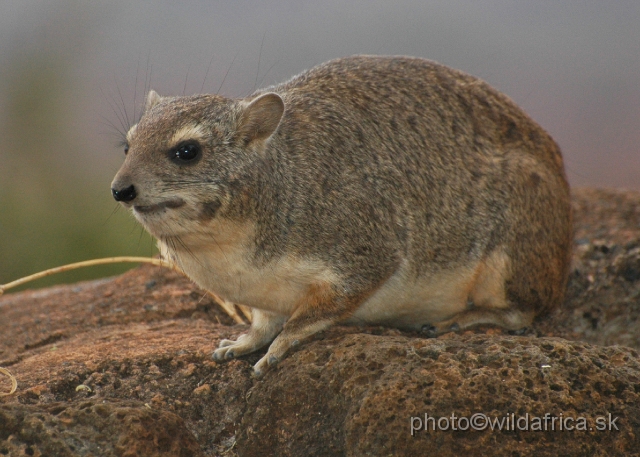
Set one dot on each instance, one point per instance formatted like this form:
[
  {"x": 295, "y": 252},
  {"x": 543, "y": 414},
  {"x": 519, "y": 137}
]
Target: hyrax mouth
[{"x": 171, "y": 204}]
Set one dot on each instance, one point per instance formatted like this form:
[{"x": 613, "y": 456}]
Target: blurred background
[{"x": 73, "y": 73}]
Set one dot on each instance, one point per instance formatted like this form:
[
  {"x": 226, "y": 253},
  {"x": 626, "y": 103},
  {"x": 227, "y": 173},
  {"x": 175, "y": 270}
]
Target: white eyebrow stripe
[{"x": 188, "y": 132}]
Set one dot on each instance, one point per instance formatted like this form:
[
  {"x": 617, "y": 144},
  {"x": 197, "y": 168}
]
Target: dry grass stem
[
  {"x": 14, "y": 382},
  {"x": 227, "y": 306}
]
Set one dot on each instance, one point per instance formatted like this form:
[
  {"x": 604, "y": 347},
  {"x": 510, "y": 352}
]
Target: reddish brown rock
[
  {"x": 356, "y": 394},
  {"x": 141, "y": 345},
  {"x": 94, "y": 427}
]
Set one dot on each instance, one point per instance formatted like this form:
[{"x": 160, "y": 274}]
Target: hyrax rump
[{"x": 367, "y": 190}]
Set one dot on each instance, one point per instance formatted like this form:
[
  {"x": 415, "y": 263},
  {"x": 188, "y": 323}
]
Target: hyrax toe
[
  {"x": 225, "y": 343},
  {"x": 222, "y": 354}
]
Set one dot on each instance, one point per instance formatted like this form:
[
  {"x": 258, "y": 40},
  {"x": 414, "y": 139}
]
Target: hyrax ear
[
  {"x": 260, "y": 118},
  {"x": 152, "y": 100}
]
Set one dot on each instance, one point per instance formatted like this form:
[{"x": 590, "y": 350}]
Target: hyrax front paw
[
  {"x": 264, "y": 327},
  {"x": 229, "y": 349},
  {"x": 252, "y": 341}
]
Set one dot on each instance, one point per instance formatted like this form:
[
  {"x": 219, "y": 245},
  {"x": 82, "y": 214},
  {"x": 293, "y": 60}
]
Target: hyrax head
[{"x": 185, "y": 153}]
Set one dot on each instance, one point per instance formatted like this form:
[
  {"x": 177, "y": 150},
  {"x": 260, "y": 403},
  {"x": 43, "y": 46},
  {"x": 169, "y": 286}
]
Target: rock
[
  {"x": 603, "y": 299},
  {"x": 356, "y": 395},
  {"x": 156, "y": 367},
  {"x": 140, "y": 346},
  {"x": 94, "y": 427}
]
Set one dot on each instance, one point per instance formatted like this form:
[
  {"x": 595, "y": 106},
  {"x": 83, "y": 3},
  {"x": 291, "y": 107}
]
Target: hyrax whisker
[
  {"x": 204, "y": 81},
  {"x": 224, "y": 259},
  {"x": 255, "y": 83},
  {"x": 186, "y": 79},
  {"x": 368, "y": 190},
  {"x": 147, "y": 79},
  {"x": 114, "y": 130},
  {"x": 119, "y": 115},
  {"x": 140, "y": 237},
  {"x": 123, "y": 106},
  {"x": 224, "y": 78},
  {"x": 267, "y": 72},
  {"x": 135, "y": 89},
  {"x": 116, "y": 208},
  {"x": 187, "y": 249}
]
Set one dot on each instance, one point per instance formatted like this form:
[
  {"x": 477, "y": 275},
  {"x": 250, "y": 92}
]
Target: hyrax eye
[
  {"x": 126, "y": 149},
  {"x": 185, "y": 152}
]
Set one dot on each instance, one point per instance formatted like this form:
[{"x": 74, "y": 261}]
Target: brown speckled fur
[{"x": 379, "y": 168}]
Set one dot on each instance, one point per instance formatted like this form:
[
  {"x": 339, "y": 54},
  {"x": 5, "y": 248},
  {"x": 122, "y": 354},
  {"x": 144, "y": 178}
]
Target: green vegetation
[{"x": 55, "y": 205}]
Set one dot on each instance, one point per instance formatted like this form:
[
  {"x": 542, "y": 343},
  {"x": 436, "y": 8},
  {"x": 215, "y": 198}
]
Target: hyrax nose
[{"x": 124, "y": 195}]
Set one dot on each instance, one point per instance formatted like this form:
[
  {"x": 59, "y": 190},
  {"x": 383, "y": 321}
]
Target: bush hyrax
[{"x": 367, "y": 190}]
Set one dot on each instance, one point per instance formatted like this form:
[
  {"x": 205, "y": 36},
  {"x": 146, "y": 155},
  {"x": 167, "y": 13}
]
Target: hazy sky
[{"x": 574, "y": 66}]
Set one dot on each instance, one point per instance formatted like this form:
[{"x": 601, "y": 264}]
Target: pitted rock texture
[
  {"x": 357, "y": 393},
  {"x": 123, "y": 366},
  {"x": 94, "y": 427},
  {"x": 160, "y": 367}
]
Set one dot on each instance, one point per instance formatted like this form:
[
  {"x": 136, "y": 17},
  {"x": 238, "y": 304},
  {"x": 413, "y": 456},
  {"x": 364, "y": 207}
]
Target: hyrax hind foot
[
  {"x": 510, "y": 319},
  {"x": 294, "y": 332},
  {"x": 317, "y": 310}
]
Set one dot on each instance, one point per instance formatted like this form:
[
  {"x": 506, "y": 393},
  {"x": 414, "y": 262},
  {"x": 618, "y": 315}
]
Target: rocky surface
[{"x": 122, "y": 367}]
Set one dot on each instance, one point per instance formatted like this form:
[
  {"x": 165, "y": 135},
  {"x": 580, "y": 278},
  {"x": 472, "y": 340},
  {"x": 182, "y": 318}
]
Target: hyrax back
[{"x": 383, "y": 190}]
